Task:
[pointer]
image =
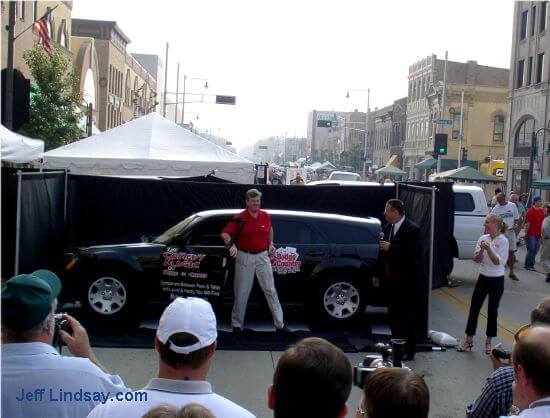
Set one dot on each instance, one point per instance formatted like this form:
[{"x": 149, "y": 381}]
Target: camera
[
  {"x": 60, "y": 324},
  {"x": 501, "y": 353},
  {"x": 382, "y": 359}
]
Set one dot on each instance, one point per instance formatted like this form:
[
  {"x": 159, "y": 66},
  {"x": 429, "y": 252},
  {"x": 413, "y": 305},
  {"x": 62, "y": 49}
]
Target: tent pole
[
  {"x": 65, "y": 199},
  {"x": 431, "y": 271},
  {"x": 18, "y": 222}
]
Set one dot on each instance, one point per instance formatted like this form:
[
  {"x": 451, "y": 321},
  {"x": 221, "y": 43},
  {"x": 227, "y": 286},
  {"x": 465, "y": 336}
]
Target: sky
[{"x": 284, "y": 58}]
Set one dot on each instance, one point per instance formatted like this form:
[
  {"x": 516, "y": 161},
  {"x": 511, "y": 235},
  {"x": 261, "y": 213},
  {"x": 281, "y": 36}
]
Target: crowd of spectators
[{"x": 313, "y": 378}]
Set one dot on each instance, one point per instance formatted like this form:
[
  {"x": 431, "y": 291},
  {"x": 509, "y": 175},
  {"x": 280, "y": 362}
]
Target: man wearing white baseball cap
[{"x": 186, "y": 342}]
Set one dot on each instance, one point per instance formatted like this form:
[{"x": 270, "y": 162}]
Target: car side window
[
  {"x": 464, "y": 202},
  {"x": 340, "y": 233},
  {"x": 294, "y": 232},
  {"x": 208, "y": 233}
]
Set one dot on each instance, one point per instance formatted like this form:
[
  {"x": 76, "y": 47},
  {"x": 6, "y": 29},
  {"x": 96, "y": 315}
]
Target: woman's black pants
[{"x": 494, "y": 287}]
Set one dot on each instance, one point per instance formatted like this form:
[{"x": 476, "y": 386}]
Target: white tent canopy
[
  {"x": 18, "y": 148},
  {"x": 149, "y": 146}
]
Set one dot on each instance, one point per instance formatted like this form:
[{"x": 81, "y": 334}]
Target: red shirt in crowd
[
  {"x": 534, "y": 217},
  {"x": 255, "y": 232}
]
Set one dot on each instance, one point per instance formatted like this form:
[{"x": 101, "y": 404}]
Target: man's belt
[{"x": 251, "y": 252}]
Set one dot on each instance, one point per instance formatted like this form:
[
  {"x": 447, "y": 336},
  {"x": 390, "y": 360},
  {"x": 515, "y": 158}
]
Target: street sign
[
  {"x": 445, "y": 122},
  {"x": 227, "y": 100}
]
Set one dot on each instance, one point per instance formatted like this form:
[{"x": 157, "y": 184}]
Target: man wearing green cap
[{"x": 36, "y": 380}]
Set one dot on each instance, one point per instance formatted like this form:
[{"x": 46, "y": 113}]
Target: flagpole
[{"x": 8, "y": 120}]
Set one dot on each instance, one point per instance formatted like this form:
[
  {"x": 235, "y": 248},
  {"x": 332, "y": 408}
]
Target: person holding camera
[
  {"x": 495, "y": 399},
  {"x": 394, "y": 392},
  {"x": 491, "y": 253},
  {"x": 36, "y": 379}
]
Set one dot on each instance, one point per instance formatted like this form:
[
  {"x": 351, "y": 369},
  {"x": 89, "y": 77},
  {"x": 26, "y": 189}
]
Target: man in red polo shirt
[
  {"x": 533, "y": 231},
  {"x": 251, "y": 249}
]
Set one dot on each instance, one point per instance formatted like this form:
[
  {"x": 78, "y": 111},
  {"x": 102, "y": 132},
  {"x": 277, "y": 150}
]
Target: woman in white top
[{"x": 491, "y": 253}]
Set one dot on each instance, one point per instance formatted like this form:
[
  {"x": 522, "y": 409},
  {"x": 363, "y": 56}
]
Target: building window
[
  {"x": 524, "y": 133},
  {"x": 498, "y": 129},
  {"x": 533, "y": 19},
  {"x": 523, "y": 26},
  {"x": 540, "y": 67},
  {"x": 543, "y": 16},
  {"x": 521, "y": 70},
  {"x": 530, "y": 71},
  {"x": 20, "y": 10}
]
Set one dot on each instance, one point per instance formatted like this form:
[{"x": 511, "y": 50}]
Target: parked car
[
  {"x": 344, "y": 175},
  {"x": 470, "y": 212},
  {"x": 323, "y": 261}
]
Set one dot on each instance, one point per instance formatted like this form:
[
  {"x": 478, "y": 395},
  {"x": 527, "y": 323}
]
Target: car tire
[
  {"x": 338, "y": 303},
  {"x": 108, "y": 297}
]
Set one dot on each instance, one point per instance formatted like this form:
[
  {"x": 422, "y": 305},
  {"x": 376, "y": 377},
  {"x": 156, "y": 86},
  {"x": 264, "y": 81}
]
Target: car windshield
[
  {"x": 344, "y": 176},
  {"x": 177, "y": 229}
]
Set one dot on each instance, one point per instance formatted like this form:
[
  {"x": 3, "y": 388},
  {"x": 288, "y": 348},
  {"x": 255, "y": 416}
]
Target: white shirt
[
  {"x": 538, "y": 409},
  {"x": 397, "y": 225},
  {"x": 500, "y": 246},
  {"x": 508, "y": 213},
  {"x": 177, "y": 393},
  {"x": 33, "y": 374}
]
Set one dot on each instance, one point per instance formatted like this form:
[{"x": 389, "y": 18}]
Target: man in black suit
[{"x": 398, "y": 271}]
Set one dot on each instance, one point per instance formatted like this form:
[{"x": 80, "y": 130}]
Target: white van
[{"x": 470, "y": 212}]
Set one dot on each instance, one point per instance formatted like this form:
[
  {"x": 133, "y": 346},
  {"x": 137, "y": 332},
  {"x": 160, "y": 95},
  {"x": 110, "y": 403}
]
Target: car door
[
  {"x": 197, "y": 263},
  {"x": 300, "y": 248}
]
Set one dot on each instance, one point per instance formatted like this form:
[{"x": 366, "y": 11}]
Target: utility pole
[
  {"x": 165, "y": 81},
  {"x": 183, "y": 101},
  {"x": 9, "y": 75},
  {"x": 177, "y": 94},
  {"x": 442, "y": 110},
  {"x": 366, "y": 136},
  {"x": 461, "y": 121}
]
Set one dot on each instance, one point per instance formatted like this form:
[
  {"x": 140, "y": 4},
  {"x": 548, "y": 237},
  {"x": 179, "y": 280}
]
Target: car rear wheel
[
  {"x": 107, "y": 296},
  {"x": 339, "y": 301}
]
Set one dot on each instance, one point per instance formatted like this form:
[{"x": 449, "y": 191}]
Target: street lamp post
[
  {"x": 366, "y": 128},
  {"x": 534, "y": 147}
]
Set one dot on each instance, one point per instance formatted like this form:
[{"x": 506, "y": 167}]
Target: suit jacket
[{"x": 402, "y": 261}]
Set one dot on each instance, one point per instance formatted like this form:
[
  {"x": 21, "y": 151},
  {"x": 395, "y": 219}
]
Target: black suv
[{"x": 323, "y": 261}]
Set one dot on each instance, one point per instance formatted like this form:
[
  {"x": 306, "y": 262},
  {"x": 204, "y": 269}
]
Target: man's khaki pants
[{"x": 246, "y": 266}]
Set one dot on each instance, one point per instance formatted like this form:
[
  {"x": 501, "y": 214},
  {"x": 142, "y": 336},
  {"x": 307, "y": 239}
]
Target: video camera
[{"x": 375, "y": 361}]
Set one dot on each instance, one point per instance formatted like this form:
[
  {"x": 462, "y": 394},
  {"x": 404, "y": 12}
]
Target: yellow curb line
[
  {"x": 507, "y": 334},
  {"x": 512, "y": 328}
]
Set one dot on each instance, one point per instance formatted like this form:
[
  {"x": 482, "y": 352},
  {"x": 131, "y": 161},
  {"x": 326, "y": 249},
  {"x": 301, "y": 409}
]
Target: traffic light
[
  {"x": 440, "y": 144},
  {"x": 324, "y": 124}
]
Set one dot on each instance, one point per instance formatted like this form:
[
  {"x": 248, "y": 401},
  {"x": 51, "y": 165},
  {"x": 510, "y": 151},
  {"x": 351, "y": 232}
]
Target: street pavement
[{"x": 455, "y": 379}]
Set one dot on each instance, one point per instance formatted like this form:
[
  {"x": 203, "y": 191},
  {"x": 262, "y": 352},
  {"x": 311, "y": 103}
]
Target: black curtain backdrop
[
  {"x": 9, "y": 215},
  {"x": 110, "y": 210},
  {"x": 418, "y": 203},
  {"x": 42, "y": 220}
]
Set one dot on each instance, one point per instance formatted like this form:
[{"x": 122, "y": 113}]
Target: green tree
[{"x": 56, "y": 101}]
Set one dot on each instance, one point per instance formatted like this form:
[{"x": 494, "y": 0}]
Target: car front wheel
[
  {"x": 339, "y": 302},
  {"x": 107, "y": 295}
]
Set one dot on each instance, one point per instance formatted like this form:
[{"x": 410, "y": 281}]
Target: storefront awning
[
  {"x": 543, "y": 184},
  {"x": 393, "y": 161},
  {"x": 446, "y": 164}
]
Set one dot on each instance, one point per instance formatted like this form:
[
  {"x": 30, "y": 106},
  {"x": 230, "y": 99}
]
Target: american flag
[{"x": 41, "y": 29}]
